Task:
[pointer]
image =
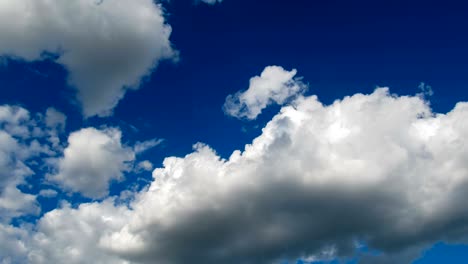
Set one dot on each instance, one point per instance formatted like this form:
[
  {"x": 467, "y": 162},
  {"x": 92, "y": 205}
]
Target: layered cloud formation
[
  {"x": 106, "y": 46},
  {"x": 379, "y": 170}
]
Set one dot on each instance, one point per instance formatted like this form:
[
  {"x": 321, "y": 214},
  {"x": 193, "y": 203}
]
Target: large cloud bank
[
  {"x": 321, "y": 180},
  {"x": 107, "y": 46}
]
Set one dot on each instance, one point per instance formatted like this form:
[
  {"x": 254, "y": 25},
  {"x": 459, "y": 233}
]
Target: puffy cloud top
[
  {"x": 274, "y": 85},
  {"x": 107, "y": 46},
  {"x": 92, "y": 159}
]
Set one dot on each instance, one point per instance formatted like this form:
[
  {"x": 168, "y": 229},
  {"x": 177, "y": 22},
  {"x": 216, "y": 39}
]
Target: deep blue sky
[{"x": 339, "y": 47}]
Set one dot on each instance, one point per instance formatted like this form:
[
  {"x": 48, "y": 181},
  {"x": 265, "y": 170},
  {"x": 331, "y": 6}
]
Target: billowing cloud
[
  {"x": 107, "y": 46},
  {"x": 274, "y": 85},
  {"x": 91, "y": 161},
  {"x": 378, "y": 169}
]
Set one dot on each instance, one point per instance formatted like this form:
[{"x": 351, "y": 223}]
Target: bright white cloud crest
[
  {"x": 92, "y": 160},
  {"x": 107, "y": 46},
  {"x": 274, "y": 85},
  {"x": 376, "y": 169}
]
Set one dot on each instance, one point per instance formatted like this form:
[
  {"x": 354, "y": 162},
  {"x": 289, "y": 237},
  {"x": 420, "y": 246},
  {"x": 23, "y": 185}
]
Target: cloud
[
  {"x": 426, "y": 90},
  {"x": 377, "y": 169},
  {"x": 92, "y": 159},
  {"x": 55, "y": 119},
  {"x": 145, "y": 165},
  {"x": 107, "y": 46},
  {"x": 211, "y": 2},
  {"x": 141, "y": 147},
  {"x": 20, "y": 136},
  {"x": 274, "y": 85},
  {"x": 48, "y": 193}
]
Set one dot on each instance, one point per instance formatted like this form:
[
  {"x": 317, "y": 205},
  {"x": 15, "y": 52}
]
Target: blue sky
[{"x": 99, "y": 97}]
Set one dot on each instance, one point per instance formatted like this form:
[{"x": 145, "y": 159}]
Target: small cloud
[
  {"x": 274, "y": 85},
  {"x": 141, "y": 147},
  {"x": 426, "y": 90},
  {"x": 48, "y": 193},
  {"x": 210, "y": 2},
  {"x": 55, "y": 119},
  {"x": 142, "y": 166}
]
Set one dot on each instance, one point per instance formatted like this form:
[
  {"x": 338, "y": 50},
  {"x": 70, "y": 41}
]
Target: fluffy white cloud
[
  {"x": 274, "y": 85},
  {"x": 107, "y": 46},
  {"x": 376, "y": 169},
  {"x": 13, "y": 248},
  {"x": 64, "y": 235},
  {"x": 17, "y": 148},
  {"x": 92, "y": 159}
]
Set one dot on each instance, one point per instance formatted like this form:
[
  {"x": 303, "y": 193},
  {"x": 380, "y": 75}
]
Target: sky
[{"x": 233, "y": 131}]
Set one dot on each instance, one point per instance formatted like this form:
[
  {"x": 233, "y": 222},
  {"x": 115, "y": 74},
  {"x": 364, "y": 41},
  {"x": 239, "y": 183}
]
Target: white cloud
[
  {"x": 55, "y": 119},
  {"x": 145, "y": 165},
  {"x": 16, "y": 149},
  {"x": 211, "y": 2},
  {"x": 106, "y": 46},
  {"x": 141, "y": 147},
  {"x": 426, "y": 90},
  {"x": 92, "y": 159},
  {"x": 48, "y": 193},
  {"x": 274, "y": 85},
  {"x": 371, "y": 167},
  {"x": 13, "y": 248},
  {"x": 14, "y": 120},
  {"x": 379, "y": 169}
]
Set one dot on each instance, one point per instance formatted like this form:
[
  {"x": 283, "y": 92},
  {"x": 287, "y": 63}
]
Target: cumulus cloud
[
  {"x": 91, "y": 161},
  {"x": 377, "y": 169},
  {"x": 106, "y": 46},
  {"x": 274, "y": 85},
  {"x": 19, "y": 144}
]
